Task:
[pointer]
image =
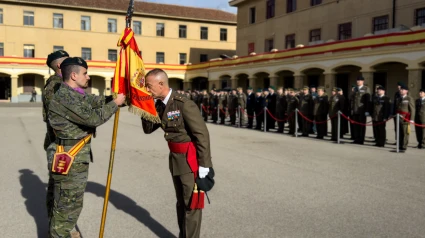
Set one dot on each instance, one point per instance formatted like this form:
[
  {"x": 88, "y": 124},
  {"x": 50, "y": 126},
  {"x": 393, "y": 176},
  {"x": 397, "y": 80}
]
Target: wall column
[
  {"x": 234, "y": 82},
  {"x": 414, "y": 82},
  {"x": 368, "y": 79},
  {"x": 299, "y": 81},
  {"x": 108, "y": 87},
  {"x": 187, "y": 86},
  {"x": 252, "y": 83},
  {"x": 330, "y": 82},
  {"x": 273, "y": 81},
  {"x": 14, "y": 88}
]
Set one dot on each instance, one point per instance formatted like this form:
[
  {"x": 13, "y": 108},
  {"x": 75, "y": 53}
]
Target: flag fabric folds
[{"x": 129, "y": 79}]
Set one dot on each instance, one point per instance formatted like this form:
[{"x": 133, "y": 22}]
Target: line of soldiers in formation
[{"x": 315, "y": 106}]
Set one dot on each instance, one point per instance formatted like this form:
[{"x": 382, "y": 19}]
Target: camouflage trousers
[{"x": 65, "y": 199}]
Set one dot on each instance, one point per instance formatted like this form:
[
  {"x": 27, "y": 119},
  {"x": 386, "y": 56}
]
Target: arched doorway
[
  {"x": 27, "y": 83},
  {"x": 200, "y": 83},
  {"x": 314, "y": 76},
  {"x": 225, "y": 81},
  {"x": 5, "y": 86},
  {"x": 243, "y": 81},
  {"x": 176, "y": 83},
  {"x": 388, "y": 74},
  {"x": 286, "y": 79},
  {"x": 263, "y": 80},
  {"x": 346, "y": 76},
  {"x": 96, "y": 85}
]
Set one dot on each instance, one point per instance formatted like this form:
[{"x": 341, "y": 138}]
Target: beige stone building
[
  {"x": 171, "y": 37},
  {"x": 292, "y": 43}
]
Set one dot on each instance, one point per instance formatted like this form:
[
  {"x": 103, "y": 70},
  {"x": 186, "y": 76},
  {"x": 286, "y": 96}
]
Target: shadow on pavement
[{"x": 129, "y": 206}]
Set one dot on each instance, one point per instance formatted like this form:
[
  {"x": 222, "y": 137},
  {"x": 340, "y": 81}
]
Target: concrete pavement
[{"x": 267, "y": 184}]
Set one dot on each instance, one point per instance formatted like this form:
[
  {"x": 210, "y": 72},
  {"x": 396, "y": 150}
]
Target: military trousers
[
  {"x": 305, "y": 125},
  {"x": 214, "y": 115},
  {"x": 222, "y": 115},
  {"x": 359, "y": 131},
  {"x": 67, "y": 203},
  {"x": 291, "y": 122},
  {"x": 334, "y": 129},
  {"x": 189, "y": 221},
  {"x": 420, "y": 135},
  {"x": 404, "y": 135},
  {"x": 259, "y": 119},
  {"x": 322, "y": 128},
  {"x": 380, "y": 133},
  {"x": 270, "y": 120},
  {"x": 241, "y": 114},
  {"x": 232, "y": 114},
  {"x": 250, "y": 113},
  {"x": 280, "y": 123}
]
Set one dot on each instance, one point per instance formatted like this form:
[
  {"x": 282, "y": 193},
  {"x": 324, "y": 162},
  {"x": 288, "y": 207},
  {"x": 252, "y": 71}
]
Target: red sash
[
  {"x": 404, "y": 114},
  {"x": 189, "y": 149}
]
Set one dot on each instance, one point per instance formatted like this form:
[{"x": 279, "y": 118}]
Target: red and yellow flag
[{"x": 129, "y": 78}]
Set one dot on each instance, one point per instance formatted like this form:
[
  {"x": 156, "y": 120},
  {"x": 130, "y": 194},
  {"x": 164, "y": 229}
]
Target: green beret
[
  {"x": 335, "y": 89},
  {"x": 56, "y": 55},
  {"x": 272, "y": 87},
  {"x": 321, "y": 88},
  {"x": 249, "y": 88},
  {"x": 259, "y": 90},
  {"x": 74, "y": 61},
  {"x": 339, "y": 89},
  {"x": 353, "y": 85},
  {"x": 422, "y": 90},
  {"x": 306, "y": 88},
  {"x": 404, "y": 87},
  {"x": 290, "y": 89}
]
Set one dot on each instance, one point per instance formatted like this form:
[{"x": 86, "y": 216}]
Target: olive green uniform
[
  {"x": 381, "y": 109},
  {"x": 52, "y": 85},
  {"x": 336, "y": 104},
  {"x": 320, "y": 113},
  {"x": 420, "y": 119},
  {"x": 187, "y": 127},
  {"x": 360, "y": 101},
  {"x": 405, "y": 107}
]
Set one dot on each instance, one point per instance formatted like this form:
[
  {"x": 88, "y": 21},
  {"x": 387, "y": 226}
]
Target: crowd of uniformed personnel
[{"x": 315, "y": 108}]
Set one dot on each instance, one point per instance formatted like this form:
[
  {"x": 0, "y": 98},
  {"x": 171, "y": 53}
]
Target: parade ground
[{"x": 267, "y": 184}]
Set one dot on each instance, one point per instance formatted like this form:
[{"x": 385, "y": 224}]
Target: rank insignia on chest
[{"x": 173, "y": 115}]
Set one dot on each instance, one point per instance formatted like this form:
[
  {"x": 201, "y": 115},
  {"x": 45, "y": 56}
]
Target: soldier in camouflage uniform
[
  {"x": 420, "y": 119},
  {"x": 405, "y": 106},
  {"x": 52, "y": 84},
  {"x": 73, "y": 115}
]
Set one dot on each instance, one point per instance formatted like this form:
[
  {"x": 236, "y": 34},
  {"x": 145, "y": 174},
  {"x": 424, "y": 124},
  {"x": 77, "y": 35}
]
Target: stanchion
[
  {"x": 296, "y": 122},
  {"x": 265, "y": 119},
  {"x": 239, "y": 114},
  {"x": 202, "y": 110},
  {"x": 218, "y": 112},
  {"x": 339, "y": 126},
  {"x": 398, "y": 133}
]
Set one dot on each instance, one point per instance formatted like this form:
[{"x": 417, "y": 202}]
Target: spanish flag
[{"x": 129, "y": 79}]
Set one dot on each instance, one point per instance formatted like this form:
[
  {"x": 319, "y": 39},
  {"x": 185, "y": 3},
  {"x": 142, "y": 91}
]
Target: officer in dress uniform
[
  {"x": 336, "y": 104},
  {"x": 184, "y": 131},
  {"x": 406, "y": 108},
  {"x": 271, "y": 106},
  {"x": 205, "y": 104},
  {"x": 250, "y": 106},
  {"x": 420, "y": 119},
  {"x": 233, "y": 106},
  {"x": 321, "y": 112},
  {"x": 213, "y": 106},
  {"x": 306, "y": 107},
  {"x": 360, "y": 101},
  {"x": 242, "y": 104},
  {"x": 259, "y": 109},
  {"x": 375, "y": 94},
  {"x": 292, "y": 102},
  {"x": 381, "y": 110},
  {"x": 281, "y": 106}
]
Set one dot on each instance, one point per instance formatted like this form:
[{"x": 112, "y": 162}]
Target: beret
[
  {"x": 306, "y": 88},
  {"x": 360, "y": 78},
  {"x": 380, "y": 87},
  {"x": 404, "y": 87},
  {"x": 321, "y": 88},
  {"x": 272, "y": 87},
  {"x": 207, "y": 183},
  {"x": 259, "y": 90},
  {"x": 56, "y": 55},
  {"x": 74, "y": 61},
  {"x": 422, "y": 90},
  {"x": 249, "y": 88}
]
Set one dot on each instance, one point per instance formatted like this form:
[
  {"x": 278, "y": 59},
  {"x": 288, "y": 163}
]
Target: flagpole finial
[{"x": 129, "y": 15}]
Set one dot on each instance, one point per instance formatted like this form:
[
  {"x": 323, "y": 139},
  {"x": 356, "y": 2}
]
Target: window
[
  {"x": 182, "y": 58},
  {"x": 252, "y": 15},
  {"x": 1, "y": 16},
  {"x": 344, "y": 31},
  {"x": 57, "y": 20},
  {"x": 380, "y": 23},
  {"x": 291, "y": 5},
  {"x": 315, "y": 35},
  {"x": 290, "y": 41},
  {"x": 137, "y": 27},
  {"x": 182, "y": 31},
  {"x": 420, "y": 16},
  {"x": 160, "y": 57},
  {"x": 251, "y": 47},
  {"x": 203, "y": 58},
  {"x": 112, "y": 55},
  {"x": 29, "y": 51},
  {"x": 28, "y": 18},
  {"x": 204, "y": 33},
  {"x": 223, "y": 34},
  {"x": 56, "y": 48},
  {"x": 270, "y": 9},
  {"x": 86, "y": 53},
  {"x": 85, "y": 23},
  {"x": 1, "y": 49},
  {"x": 160, "y": 29},
  {"x": 268, "y": 45},
  {"x": 315, "y": 2},
  {"x": 112, "y": 25}
]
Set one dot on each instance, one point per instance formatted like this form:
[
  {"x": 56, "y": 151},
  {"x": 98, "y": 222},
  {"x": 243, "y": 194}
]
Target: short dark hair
[
  {"x": 155, "y": 72},
  {"x": 68, "y": 69}
]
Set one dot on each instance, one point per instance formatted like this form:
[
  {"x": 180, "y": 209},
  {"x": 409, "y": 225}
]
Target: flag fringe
[{"x": 143, "y": 114}]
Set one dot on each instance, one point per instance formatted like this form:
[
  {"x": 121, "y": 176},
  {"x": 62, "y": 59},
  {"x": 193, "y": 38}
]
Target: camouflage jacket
[
  {"x": 52, "y": 85},
  {"x": 73, "y": 116}
]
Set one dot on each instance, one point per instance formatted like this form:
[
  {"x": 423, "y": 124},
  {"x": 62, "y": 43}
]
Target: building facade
[{"x": 168, "y": 36}]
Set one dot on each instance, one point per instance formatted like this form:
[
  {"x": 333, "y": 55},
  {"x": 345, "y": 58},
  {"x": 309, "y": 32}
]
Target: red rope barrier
[
  {"x": 315, "y": 122},
  {"x": 279, "y": 120},
  {"x": 418, "y": 125},
  {"x": 367, "y": 124}
]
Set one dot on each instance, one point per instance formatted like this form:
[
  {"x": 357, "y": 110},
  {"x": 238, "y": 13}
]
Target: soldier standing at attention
[
  {"x": 74, "y": 117},
  {"x": 336, "y": 104},
  {"x": 306, "y": 108},
  {"x": 242, "y": 104},
  {"x": 222, "y": 103},
  {"x": 292, "y": 102},
  {"x": 346, "y": 111},
  {"x": 420, "y": 119},
  {"x": 213, "y": 105},
  {"x": 381, "y": 110},
  {"x": 271, "y": 106},
  {"x": 184, "y": 131},
  {"x": 205, "y": 104},
  {"x": 406, "y": 108},
  {"x": 250, "y": 106},
  {"x": 360, "y": 106},
  {"x": 321, "y": 112},
  {"x": 394, "y": 111},
  {"x": 52, "y": 84},
  {"x": 233, "y": 107},
  {"x": 281, "y": 107},
  {"x": 259, "y": 109}
]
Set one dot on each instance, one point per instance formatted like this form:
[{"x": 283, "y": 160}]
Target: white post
[
  {"x": 398, "y": 132},
  {"x": 239, "y": 113},
  {"x": 218, "y": 113},
  {"x": 339, "y": 125},
  {"x": 265, "y": 119},
  {"x": 296, "y": 122}
]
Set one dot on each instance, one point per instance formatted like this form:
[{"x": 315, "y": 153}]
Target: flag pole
[{"x": 113, "y": 143}]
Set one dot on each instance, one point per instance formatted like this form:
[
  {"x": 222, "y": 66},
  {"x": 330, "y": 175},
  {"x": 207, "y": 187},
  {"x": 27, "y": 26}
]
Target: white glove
[
  {"x": 366, "y": 114},
  {"x": 413, "y": 122},
  {"x": 203, "y": 172}
]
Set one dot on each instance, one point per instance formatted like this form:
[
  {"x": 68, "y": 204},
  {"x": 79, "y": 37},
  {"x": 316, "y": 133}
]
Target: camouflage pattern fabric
[
  {"x": 52, "y": 85},
  {"x": 72, "y": 116}
]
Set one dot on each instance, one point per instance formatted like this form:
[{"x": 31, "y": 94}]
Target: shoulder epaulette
[{"x": 181, "y": 98}]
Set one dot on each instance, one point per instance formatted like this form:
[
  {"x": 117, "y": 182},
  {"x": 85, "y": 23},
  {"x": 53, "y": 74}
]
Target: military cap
[
  {"x": 335, "y": 89},
  {"x": 380, "y": 87},
  {"x": 259, "y": 90},
  {"x": 74, "y": 61},
  {"x": 56, "y": 55},
  {"x": 272, "y": 87},
  {"x": 321, "y": 88},
  {"x": 422, "y": 90},
  {"x": 399, "y": 83},
  {"x": 249, "y": 88},
  {"x": 290, "y": 89},
  {"x": 206, "y": 183},
  {"x": 313, "y": 86},
  {"x": 339, "y": 89},
  {"x": 266, "y": 90},
  {"x": 306, "y": 88},
  {"x": 404, "y": 87},
  {"x": 360, "y": 78}
]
